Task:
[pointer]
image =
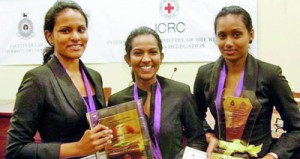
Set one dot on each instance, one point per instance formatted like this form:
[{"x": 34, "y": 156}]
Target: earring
[{"x": 250, "y": 41}]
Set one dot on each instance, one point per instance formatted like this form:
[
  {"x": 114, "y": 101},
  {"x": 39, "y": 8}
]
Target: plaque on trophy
[
  {"x": 130, "y": 132},
  {"x": 236, "y": 119}
]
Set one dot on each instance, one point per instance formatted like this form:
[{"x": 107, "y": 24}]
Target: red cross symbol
[{"x": 169, "y": 8}]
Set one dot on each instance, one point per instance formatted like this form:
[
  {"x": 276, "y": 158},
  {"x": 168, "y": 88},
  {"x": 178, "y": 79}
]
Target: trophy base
[{"x": 219, "y": 154}]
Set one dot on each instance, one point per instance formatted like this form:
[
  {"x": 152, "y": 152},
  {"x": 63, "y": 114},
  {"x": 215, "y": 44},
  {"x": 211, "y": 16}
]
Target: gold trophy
[{"x": 236, "y": 119}]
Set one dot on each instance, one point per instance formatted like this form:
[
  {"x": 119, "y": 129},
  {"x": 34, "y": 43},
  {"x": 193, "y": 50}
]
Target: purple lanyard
[
  {"x": 157, "y": 115},
  {"x": 90, "y": 107},
  {"x": 222, "y": 79}
]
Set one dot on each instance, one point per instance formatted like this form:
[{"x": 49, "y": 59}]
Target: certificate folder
[{"x": 130, "y": 132}]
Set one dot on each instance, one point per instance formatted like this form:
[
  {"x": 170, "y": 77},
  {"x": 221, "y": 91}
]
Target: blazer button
[
  {"x": 152, "y": 136},
  {"x": 151, "y": 123}
]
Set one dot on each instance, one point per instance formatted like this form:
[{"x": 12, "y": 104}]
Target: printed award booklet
[{"x": 130, "y": 131}]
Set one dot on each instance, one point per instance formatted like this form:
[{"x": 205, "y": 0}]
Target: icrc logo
[
  {"x": 25, "y": 27},
  {"x": 169, "y": 8}
]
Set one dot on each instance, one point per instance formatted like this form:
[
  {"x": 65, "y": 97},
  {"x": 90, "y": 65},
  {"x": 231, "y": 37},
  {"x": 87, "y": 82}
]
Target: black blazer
[
  {"x": 48, "y": 102},
  {"x": 270, "y": 88},
  {"x": 178, "y": 111}
]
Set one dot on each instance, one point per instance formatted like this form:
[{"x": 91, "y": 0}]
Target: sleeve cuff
[{"x": 273, "y": 154}]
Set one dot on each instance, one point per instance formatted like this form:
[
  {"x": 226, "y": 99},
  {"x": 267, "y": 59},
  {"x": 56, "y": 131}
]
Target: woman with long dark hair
[{"x": 54, "y": 98}]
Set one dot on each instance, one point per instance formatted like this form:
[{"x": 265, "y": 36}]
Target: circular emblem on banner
[
  {"x": 25, "y": 27},
  {"x": 169, "y": 8}
]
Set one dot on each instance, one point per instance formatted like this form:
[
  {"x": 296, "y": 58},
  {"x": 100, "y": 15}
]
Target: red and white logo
[{"x": 169, "y": 8}]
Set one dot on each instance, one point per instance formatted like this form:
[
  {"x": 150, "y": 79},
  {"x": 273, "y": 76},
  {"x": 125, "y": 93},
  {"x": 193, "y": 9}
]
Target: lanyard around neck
[
  {"x": 221, "y": 85},
  {"x": 90, "y": 107},
  {"x": 157, "y": 116}
]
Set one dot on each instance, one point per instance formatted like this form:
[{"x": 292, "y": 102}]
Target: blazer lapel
[
  {"x": 68, "y": 88},
  {"x": 251, "y": 73},
  {"x": 210, "y": 95},
  {"x": 99, "y": 93},
  {"x": 214, "y": 79}
]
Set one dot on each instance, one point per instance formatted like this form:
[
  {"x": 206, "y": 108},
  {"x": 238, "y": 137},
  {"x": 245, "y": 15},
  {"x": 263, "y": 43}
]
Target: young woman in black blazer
[
  {"x": 173, "y": 100},
  {"x": 234, "y": 34},
  {"x": 54, "y": 98}
]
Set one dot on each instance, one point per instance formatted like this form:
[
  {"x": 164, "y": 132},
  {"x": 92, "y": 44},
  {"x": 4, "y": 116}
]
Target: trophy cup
[{"x": 236, "y": 118}]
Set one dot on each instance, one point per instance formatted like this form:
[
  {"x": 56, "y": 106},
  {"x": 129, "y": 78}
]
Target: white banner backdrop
[{"x": 186, "y": 28}]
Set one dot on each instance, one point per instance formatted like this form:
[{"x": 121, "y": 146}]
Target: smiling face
[
  {"x": 69, "y": 35},
  {"x": 144, "y": 58},
  {"x": 233, "y": 38}
]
